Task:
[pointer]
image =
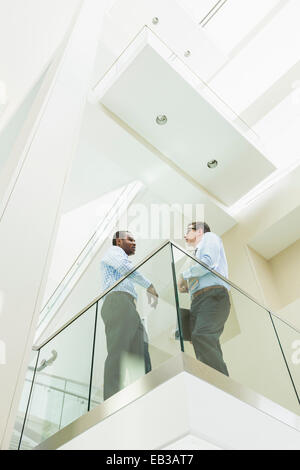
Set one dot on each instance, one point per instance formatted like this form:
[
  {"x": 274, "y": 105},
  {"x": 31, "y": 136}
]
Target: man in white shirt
[{"x": 210, "y": 305}]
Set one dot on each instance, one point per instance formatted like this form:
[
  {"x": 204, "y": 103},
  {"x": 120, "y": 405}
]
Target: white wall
[
  {"x": 31, "y": 214},
  {"x": 30, "y": 33},
  {"x": 285, "y": 269},
  {"x": 10, "y": 133},
  {"x": 254, "y": 356}
]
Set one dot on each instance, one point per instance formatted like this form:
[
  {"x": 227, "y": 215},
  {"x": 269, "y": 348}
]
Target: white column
[{"x": 30, "y": 216}]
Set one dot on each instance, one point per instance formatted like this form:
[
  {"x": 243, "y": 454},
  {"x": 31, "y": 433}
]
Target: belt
[{"x": 206, "y": 289}]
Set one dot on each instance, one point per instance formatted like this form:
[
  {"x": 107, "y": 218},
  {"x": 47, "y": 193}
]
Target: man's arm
[
  {"x": 182, "y": 285},
  {"x": 152, "y": 296}
]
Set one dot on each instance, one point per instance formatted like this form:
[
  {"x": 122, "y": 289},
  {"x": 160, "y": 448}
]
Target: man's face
[
  {"x": 192, "y": 236},
  {"x": 127, "y": 244}
]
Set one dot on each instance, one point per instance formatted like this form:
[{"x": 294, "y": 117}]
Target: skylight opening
[
  {"x": 279, "y": 130},
  {"x": 235, "y": 20},
  {"x": 197, "y": 9},
  {"x": 263, "y": 61}
]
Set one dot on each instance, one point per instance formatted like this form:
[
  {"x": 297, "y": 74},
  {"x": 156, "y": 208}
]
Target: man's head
[
  {"x": 126, "y": 241},
  {"x": 195, "y": 232}
]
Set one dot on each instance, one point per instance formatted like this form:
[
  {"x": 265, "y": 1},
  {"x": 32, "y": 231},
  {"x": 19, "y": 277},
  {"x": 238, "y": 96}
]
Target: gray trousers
[
  {"x": 124, "y": 334},
  {"x": 209, "y": 312}
]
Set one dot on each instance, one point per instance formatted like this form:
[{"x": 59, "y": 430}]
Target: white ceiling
[
  {"x": 198, "y": 10},
  {"x": 251, "y": 59},
  {"x": 247, "y": 53},
  {"x": 109, "y": 156},
  {"x": 278, "y": 236},
  {"x": 253, "y": 66},
  {"x": 145, "y": 85}
]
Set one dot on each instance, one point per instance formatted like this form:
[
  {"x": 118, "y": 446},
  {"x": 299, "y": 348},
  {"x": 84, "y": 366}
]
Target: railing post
[
  {"x": 93, "y": 355},
  {"x": 63, "y": 403},
  {"x": 176, "y": 299},
  {"x": 285, "y": 360},
  {"x": 29, "y": 399}
]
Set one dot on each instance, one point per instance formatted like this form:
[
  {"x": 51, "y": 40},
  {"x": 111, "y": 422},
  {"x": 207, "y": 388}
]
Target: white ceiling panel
[
  {"x": 278, "y": 236},
  {"x": 144, "y": 86}
]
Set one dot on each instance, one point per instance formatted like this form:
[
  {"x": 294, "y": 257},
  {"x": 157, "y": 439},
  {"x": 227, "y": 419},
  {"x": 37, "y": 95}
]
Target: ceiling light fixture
[
  {"x": 161, "y": 119},
  {"x": 155, "y": 20},
  {"x": 212, "y": 164}
]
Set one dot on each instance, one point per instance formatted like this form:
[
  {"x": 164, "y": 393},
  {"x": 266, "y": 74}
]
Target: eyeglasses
[{"x": 189, "y": 229}]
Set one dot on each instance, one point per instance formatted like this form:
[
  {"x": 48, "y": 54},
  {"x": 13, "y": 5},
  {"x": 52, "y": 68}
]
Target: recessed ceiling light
[
  {"x": 161, "y": 120},
  {"x": 212, "y": 164},
  {"x": 155, "y": 20}
]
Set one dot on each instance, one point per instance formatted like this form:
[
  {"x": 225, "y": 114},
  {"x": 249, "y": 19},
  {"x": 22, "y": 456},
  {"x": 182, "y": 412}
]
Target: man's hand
[
  {"x": 152, "y": 296},
  {"x": 182, "y": 285}
]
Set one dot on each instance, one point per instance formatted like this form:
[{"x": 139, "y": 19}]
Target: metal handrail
[{"x": 154, "y": 252}]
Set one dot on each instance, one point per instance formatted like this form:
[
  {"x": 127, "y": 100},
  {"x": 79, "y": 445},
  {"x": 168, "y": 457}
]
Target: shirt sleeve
[
  {"x": 209, "y": 254},
  {"x": 120, "y": 262}
]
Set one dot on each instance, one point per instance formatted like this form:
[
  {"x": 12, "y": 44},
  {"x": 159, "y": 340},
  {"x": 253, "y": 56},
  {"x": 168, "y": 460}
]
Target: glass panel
[
  {"x": 61, "y": 386},
  {"x": 231, "y": 333},
  {"x": 136, "y": 332},
  {"x": 15, "y": 439},
  {"x": 290, "y": 343},
  {"x": 133, "y": 337}
]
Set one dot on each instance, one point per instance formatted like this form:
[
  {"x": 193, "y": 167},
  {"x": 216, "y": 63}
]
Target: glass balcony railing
[{"x": 117, "y": 339}]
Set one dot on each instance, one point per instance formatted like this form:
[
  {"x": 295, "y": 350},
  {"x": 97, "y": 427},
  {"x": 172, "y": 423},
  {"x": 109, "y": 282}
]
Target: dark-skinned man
[{"x": 125, "y": 334}]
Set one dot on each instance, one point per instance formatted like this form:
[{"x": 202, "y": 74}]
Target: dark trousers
[
  {"x": 209, "y": 312},
  {"x": 124, "y": 334}
]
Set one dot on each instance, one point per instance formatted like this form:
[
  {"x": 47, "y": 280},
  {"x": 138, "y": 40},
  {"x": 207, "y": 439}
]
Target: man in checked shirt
[{"x": 124, "y": 330}]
